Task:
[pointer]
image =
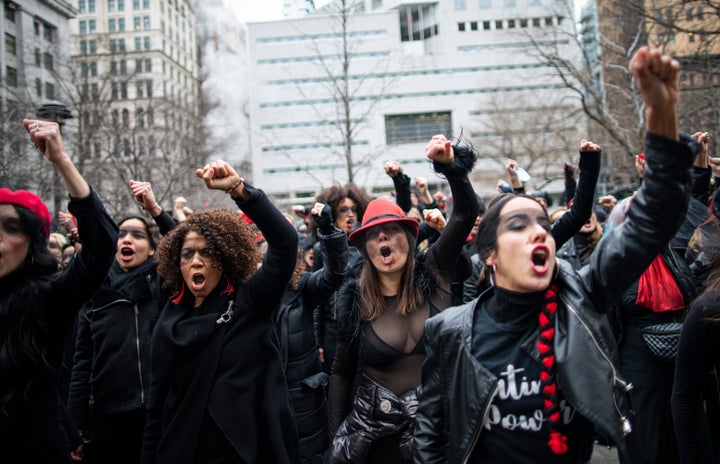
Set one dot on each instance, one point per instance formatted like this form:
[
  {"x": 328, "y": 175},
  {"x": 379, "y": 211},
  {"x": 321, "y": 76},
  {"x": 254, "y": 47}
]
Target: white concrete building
[{"x": 415, "y": 69}]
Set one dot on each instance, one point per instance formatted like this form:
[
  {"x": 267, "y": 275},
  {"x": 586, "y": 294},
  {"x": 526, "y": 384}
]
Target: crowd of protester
[{"x": 416, "y": 327}]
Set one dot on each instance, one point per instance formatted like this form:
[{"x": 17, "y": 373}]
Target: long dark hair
[
  {"x": 371, "y": 297},
  {"x": 23, "y": 353}
]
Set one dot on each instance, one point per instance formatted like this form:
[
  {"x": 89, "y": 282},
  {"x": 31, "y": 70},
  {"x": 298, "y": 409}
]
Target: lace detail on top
[{"x": 392, "y": 349}]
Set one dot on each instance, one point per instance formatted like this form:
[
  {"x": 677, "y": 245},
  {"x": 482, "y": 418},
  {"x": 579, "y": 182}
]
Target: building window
[
  {"x": 510, "y": 3},
  {"x": 549, "y": 21},
  {"x": 523, "y": 22},
  {"x": 121, "y": 5},
  {"x": 136, "y": 23},
  {"x": 38, "y": 87},
  {"x": 149, "y": 93},
  {"x": 83, "y": 27},
  {"x": 139, "y": 87},
  {"x": 138, "y": 43},
  {"x": 148, "y": 65},
  {"x": 123, "y": 67},
  {"x": 473, "y": 26},
  {"x": 484, "y": 3},
  {"x": 49, "y": 31},
  {"x": 536, "y": 22},
  {"x": 138, "y": 65},
  {"x": 111, "y": 5},
  {"x": 91, "y": 26},
  {"x": 83, "y": 51},
  {"x": 49, "y": 91},
  {"x": 486, "y": 25},
  {"x": 460, "y": 5},
  {"x": 511, "y": 24},
  {"x": 36, "y": 26},
  {"x": 93, "y": 68},
  {"x": 498, "y": 24},
  {"x": 83, "y": 69},
  {"x": 146, "y": 42},
  {"x": 461, "y": 27},
  {"x": 11, "y": 78},
  {"x": 146, "y": 4},
  {"x": 48, "y": 61},
  {"x": 417, "y": 22},
  {"x": 121, "y": 45},
  {"x": 9, "y": 12},
  {"x": 93, "y": 46},
  {"x": 136, "y": 4},
  {"x": 534, "y": 2},
  {"x": 688, "y": 14},
  {"x": 146, "y": 23},
  {"x": 416, "y": 128},
  {"x": 10, "y": 44},
  {"x": 121, "y": 24},
  {"x": 81, "y": 6},
  {"x": 91, "y": 6},
  {"x": 691, "y": 37},
  {"x": 112, "y": 25},
  {"x": 113, "y": 68},
  {"x": 123, "y": 92},
  {"x": 700, "y": 13}
]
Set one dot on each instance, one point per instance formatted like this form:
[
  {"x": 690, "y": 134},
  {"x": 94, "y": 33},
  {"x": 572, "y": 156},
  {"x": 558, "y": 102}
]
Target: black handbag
[{"x": 663, "y": 339}]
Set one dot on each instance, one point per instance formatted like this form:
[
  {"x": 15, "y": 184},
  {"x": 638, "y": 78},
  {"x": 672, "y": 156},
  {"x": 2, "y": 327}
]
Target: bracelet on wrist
[{"x": 235, "y": 186}]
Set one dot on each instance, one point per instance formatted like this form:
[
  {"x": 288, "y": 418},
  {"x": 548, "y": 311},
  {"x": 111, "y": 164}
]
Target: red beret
[{"x": 29, "y": 201}]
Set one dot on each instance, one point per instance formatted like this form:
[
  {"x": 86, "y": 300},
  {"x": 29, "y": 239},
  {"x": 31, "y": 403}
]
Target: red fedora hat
[{"x": 379, "y": 212}]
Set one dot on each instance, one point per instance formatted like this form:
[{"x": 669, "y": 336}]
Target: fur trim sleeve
[
  {"x": 465, "y": 159},
  {"x": 347, "y": 309}
]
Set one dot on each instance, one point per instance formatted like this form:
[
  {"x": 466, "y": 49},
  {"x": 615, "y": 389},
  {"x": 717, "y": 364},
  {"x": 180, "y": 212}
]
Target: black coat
[
  {"x": 112, "y": 355},
  {"x": 452, "y": 408},
  {"x": 306, "y": 380},
  {"x": 224, "y": 381},
  {"x": 38, "y": 433}
]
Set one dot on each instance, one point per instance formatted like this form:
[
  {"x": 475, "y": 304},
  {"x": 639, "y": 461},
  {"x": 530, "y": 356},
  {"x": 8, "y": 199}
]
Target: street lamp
[{"x": 56, "y": 112}]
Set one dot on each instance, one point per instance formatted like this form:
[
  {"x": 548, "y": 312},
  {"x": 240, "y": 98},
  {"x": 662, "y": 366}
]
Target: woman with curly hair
[
  {"x": 381, "y": 316},
  {"x": 218, "y": 392},
  {"x": 38, "y": 305}
]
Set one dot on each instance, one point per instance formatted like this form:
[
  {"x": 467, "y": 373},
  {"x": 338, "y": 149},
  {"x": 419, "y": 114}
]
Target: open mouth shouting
[
  {"x": 198, "y": 281},
  {"x": 386, "y": 255},
  {"x": 540, "y": 259},
  {"x": 126, "y": 253}
]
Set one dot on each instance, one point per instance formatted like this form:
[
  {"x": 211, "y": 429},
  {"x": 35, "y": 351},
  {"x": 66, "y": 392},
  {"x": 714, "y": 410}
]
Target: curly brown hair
[
  {"x": 334, "y": 195},
  {"x": 229, "y": 239}
]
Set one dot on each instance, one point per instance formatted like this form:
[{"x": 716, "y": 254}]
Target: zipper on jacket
[
  {"x": 486, "y": 412},
  {"x": 139, "y": 360},
  {"x": 625, "y": 422}
]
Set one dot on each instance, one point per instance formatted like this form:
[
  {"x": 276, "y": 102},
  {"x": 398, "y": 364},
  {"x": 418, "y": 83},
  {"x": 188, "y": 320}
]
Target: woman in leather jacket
[
  {"x": 381, "y": 317},
  {"x": 38, "y": 305},
  {"x": 112, "y": 352},
  {"x": 520, "y": 374}
]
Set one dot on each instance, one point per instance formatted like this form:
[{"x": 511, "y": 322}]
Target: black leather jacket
[
  {"x": 112, "y": 352},
  {"x": 458, "y": 390}
]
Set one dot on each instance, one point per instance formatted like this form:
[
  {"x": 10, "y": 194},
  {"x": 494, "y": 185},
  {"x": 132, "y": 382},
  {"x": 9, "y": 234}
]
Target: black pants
[
  {"x": 652, "y": 439},
  {"x": 116, "y": 439}
]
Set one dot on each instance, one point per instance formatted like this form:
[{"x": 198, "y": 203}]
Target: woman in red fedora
[
  {"x": 38, "y": 305},
  {"x": 381, "y": 316}
]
